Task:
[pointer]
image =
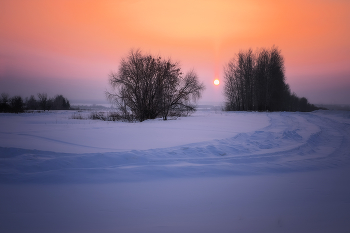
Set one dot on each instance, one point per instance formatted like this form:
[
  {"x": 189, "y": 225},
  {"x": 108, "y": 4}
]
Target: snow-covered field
[{"x": 210, "y": 172}]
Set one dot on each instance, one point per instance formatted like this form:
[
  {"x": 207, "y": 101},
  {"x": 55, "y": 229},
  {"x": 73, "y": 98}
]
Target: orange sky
[{"x": 70, "y": 47}]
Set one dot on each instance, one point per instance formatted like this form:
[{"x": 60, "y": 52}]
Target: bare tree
[
  {"x": 231, "y": 87},
  {"x": 4, "y": 102},
  {"x": 60, "y": 103},
  {"x": 146, "y": 87},
  {"x": 17, "y": 104},
  {"x": 239, "y": 81},
  {"x": 43, "y": 101},
  {"x": 261, "y": 76},
  {"x": 276, "y": 80},
  {"x": 31, "y": 103}
]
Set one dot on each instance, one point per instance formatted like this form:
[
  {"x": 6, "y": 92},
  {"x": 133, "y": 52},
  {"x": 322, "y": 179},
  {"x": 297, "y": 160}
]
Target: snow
[
  {"x": 54, "y": 131},
  {"x": 212, "y": 171}
]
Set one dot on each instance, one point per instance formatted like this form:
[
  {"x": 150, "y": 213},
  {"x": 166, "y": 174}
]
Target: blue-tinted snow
[{"x": 213, "y": 171}]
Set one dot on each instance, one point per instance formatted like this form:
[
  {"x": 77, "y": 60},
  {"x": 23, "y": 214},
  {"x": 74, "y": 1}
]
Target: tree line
[
  {"x": 16, "y": 104},
  {"x": 147, "y": 87},
  {"x": 255, "y": 81}
]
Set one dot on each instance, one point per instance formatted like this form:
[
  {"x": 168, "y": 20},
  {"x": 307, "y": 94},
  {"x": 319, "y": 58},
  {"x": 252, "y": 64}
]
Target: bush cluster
[
  {"x": 109, "y": 116},
  {"x": 104, "y": 116}
]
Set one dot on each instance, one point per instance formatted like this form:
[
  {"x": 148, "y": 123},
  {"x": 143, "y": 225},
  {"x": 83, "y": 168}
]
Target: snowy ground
[{"x": 213, "y": 171}]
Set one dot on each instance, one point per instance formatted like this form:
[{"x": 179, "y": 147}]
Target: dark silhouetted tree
[
  {"x": 31, "y": 103},
  {"x": 146, "y": 87},
  {"x": 60, "y": 103},
  {"x": 16, "y": 104},
  {"x": 276, "y": 80},
  {"x": 261, "y": 78},
  {"x": 43, "y": 101},
  {"x": 4, "y": 102}
]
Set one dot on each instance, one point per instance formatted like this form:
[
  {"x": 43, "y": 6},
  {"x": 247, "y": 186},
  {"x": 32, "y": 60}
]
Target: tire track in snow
[{"x": 65, "y": 142}]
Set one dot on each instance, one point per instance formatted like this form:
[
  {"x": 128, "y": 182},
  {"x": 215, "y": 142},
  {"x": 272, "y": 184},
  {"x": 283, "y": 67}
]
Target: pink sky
[{"x": 70, "y": 47}]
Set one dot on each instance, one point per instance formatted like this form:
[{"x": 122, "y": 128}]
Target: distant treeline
[
  {"x": 256, "y": 82},
  {"x": 16, "y": 104},
  {"x": 342, "y": 107}
]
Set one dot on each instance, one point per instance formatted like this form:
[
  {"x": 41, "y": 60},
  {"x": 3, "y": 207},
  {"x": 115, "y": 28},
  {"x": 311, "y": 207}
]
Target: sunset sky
[{"x": 70, "y": 47}]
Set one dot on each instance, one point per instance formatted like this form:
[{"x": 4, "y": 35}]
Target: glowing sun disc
[{"x": 216, "y": 81}]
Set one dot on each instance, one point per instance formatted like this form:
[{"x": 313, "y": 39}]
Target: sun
[{"x": 216, "y": 82}]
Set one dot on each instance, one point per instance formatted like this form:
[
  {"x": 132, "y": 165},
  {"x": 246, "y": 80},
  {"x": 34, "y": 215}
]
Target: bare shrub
[
  {"x": 98, "y": 116},
  {"x": 78, "y": 116}
]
